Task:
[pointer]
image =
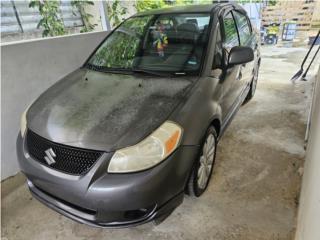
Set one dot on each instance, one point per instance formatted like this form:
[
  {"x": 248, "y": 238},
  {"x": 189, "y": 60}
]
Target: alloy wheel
[{"x": 206, "y": 161}]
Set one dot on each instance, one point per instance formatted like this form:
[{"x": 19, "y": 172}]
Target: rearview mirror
[{"x": 240, "y": 55}]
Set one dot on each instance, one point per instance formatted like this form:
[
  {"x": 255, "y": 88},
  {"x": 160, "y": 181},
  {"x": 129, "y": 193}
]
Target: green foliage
[
  {"x": 143, "y": 5},
  {"x": 50, "y": 17},
  {"x": 204, "y": 2},
  {"x": 184, "y": 2},
  {"x": 119, "y": 51},
  {"x": 120, "y": 48},
  {"x": 116, "y": 12},
  {"x": 80, "y": 5},
  {"x": 272, "y": 2}
]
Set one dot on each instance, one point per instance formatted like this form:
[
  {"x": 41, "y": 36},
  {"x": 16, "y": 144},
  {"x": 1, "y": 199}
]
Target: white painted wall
[
  {"x": 308, "y": 227},
  {"x": 28, "y": 68},
  {"x": 254, "y": 13}
]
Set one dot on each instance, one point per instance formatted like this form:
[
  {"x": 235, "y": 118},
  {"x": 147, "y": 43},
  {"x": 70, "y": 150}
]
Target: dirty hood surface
[{"x": 104, "y": 111}]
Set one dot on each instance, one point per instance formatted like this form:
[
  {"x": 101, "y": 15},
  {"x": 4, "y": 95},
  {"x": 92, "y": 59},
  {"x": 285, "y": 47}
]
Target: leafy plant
[
  {"x": 188, "y": 2},
  {"x": 116, "y": 12},
  {"x": 81, "y": 5},
  {"x": 143, "y": 5},
  {"x": 120, "y": 48},
  {"x": 50, "y": 17},
  {"x": 272, "y": 2}
]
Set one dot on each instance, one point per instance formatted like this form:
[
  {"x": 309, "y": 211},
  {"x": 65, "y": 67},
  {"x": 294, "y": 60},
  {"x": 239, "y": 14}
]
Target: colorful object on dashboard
[{"x": 161, "y": 40}]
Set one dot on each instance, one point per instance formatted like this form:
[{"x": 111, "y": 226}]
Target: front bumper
[{"x": 102, "y": 199}]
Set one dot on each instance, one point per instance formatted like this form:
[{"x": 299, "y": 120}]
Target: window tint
[
  {"x": 243, "y": 27},
  {"x": 230, "y": 31}
]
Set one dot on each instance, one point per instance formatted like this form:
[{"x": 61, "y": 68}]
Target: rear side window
[
  {"x": 243, "y": 27},
  {"x": 230, "y": 32}
]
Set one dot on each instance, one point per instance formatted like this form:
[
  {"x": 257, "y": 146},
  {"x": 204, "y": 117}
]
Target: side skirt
[{"x": 228, "y": 119}]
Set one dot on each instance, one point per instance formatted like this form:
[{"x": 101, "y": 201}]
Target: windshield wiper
[
  {"x": 150, "y": 72},
  {"x": 106, "y": 69},
  {"x": 135, "y": 70}
]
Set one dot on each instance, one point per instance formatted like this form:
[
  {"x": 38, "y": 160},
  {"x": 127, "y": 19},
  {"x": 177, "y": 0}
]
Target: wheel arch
[{"x": 217, "y": 125}]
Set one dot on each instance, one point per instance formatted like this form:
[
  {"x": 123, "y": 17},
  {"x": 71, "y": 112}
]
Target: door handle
[{"x": 239, "y": 76}]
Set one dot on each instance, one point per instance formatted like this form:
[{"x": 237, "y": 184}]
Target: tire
[
  {"x": 253, "y": 86},
  {"x": 202, "y": 170}
]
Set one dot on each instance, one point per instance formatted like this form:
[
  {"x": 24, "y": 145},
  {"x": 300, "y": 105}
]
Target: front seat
[
  {"x": 186, "y": 54},
  {"x": 188, "y": 32}
]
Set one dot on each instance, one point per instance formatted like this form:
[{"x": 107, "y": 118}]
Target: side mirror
[{"x": 240, "y": 55}]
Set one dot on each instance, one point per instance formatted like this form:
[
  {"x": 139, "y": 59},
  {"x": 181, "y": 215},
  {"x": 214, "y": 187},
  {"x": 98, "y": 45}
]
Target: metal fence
[{"x": 17, "y": 17}]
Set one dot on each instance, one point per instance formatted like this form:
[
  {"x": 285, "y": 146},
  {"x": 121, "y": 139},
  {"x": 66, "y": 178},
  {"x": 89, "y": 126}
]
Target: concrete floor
[{"x": 255, "y": 187}]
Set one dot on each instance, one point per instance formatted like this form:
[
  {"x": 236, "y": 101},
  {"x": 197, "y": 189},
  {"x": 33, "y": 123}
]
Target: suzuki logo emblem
[{"x": 50, "y": 155}]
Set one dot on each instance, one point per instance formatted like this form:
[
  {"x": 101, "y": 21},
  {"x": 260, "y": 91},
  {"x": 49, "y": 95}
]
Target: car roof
[{"x": 204, "y": 8}]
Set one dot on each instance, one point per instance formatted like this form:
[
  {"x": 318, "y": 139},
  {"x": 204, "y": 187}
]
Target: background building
[{"x": 306, "y": 14}]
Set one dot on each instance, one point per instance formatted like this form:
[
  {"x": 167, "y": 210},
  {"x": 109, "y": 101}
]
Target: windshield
[{"x": 171, "y": 43}]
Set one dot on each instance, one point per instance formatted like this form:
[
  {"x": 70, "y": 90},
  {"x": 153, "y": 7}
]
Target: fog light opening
[{"x": 138, "y": 213}]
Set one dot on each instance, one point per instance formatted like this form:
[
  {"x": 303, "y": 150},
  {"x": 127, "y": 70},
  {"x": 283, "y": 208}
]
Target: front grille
[{"x": 71, "y": 160}]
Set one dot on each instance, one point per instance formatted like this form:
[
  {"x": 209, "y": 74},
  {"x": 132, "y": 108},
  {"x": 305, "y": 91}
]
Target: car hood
[{"x": 104, "y": 111}]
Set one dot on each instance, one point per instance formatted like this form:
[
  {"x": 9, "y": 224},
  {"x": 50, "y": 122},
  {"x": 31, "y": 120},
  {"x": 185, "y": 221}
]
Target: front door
[
  {"x": 246, "y": 39},
  {"x": 230, "y": 78}
]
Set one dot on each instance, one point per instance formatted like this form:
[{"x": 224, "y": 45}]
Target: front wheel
[{"x": 202, "y": 170}]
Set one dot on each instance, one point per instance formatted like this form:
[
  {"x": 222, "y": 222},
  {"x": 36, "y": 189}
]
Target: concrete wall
[
  {"x": 309, "y": 208},
  {"x": 28, "y": 68}
]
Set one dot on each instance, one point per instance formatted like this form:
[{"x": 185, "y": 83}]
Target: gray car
[{"x": 119, "y": 141}]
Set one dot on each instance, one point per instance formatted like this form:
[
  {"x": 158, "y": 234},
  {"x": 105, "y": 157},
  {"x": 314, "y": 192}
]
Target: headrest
[
  {"x": 195, "y": 21},
  {"x": 188, "y": 27}
]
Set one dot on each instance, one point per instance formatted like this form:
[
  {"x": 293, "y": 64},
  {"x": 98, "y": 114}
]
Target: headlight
[
  {"x": 149, "y": 152},
  {"x": 23, "y": 122}
]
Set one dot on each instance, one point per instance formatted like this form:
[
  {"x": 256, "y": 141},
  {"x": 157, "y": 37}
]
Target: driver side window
[
  {"x": 227, "y": 38},
  {"x": 231, "y": 38}
]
